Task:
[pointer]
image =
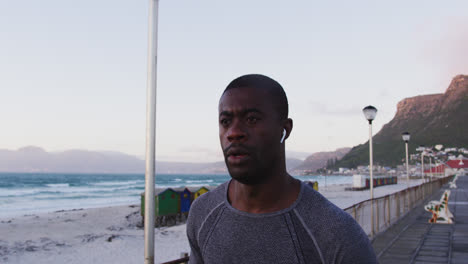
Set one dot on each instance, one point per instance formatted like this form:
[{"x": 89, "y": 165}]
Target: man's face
[{"x": 249, "y": 131}]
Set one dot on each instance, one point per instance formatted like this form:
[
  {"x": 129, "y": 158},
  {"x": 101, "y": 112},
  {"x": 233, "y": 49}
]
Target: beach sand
[
  {"x": 98, "y": 235},
  {"x": 114, "y": 234}
]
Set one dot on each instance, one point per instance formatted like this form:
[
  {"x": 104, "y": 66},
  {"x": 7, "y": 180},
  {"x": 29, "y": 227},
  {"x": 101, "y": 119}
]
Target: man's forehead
[{"x": 238, "y": 99}]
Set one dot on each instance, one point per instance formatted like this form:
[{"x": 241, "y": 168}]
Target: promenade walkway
[{"x": 414, "y": 240}]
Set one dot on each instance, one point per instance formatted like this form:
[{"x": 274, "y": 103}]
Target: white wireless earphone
[{"x": 284, "y": 135}]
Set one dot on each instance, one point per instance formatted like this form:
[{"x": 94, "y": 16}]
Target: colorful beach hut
[
  {"x": 166, "y": 203},
  {"x": 314, "y": 184},
  {"x": 185, "y": 199},
  {"x": 200, "y": 191}
]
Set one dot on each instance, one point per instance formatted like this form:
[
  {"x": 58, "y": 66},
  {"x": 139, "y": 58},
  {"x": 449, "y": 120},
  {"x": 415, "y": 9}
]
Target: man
[{"x": 263, "y": 215}]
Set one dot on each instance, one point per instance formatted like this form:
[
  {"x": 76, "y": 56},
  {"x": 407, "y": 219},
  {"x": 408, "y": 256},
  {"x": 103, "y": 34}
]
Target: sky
[{"x": 73, "y": 73}]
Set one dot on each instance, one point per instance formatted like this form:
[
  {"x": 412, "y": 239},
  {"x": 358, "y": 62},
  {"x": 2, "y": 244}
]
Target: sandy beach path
[{"x": 99, "y": 235}]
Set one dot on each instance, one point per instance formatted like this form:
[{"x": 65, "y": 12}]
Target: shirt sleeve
[
  {"x": 355, "y": 248},
  {"x": 195, "y": 255},
  {"x": 192, "y": 230}
]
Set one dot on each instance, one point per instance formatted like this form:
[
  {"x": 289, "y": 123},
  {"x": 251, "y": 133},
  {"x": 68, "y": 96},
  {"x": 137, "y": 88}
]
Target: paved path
[{"x": 414, "y": 240}]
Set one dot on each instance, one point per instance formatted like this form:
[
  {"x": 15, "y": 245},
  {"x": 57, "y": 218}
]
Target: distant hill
[
  {"x": 36, "y": 159},
  {"x": 430, "y": 119},
  {"x": 319, "y": 160}
]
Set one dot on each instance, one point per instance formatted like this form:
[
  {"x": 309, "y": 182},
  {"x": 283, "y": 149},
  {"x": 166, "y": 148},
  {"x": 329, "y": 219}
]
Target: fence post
[
  {"x": 411, "y": 192},
  {"x": 408, "y": 193},
  {"x": 398, "y": 205},
  {"x": 378, "y": 217},
  {"x": 388, "y": 210},
  {"x": 405, "y": 201}
]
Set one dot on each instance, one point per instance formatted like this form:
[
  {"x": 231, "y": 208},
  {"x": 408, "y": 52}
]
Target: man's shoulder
[
  {"x": 313, "y": 201},
  {"x": 332, "y": 227},
  {"x": 336, "y": 233},
  {"x": 205, "y": 204},
  {"x": 210, "y": 199},
  {"x": 318, "y": 213}
]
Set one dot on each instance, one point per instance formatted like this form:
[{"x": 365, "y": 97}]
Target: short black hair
[{"x": 266, "y": 83}]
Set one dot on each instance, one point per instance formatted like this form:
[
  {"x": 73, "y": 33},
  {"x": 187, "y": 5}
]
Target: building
[{"x": 451, "y": 167}]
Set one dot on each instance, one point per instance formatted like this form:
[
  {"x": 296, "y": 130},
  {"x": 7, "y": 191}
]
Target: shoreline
[
  {"x": 114, "y": 233},
  {"x": 326, "y": 190}
]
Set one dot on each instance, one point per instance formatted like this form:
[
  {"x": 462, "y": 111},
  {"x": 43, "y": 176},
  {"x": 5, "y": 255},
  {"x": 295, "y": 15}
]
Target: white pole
[
  {"x": 422, "y": 167},
  {"x": 407, "y": 166},
  {"x": 422, "y": 174},
  {"x": 371, "y": 178},
  {"x": 438, "y": 168},
  {"x": 430, "y": 171},
  {"x": 430, "y": 165},
  {"x": 151, "y": 130}
]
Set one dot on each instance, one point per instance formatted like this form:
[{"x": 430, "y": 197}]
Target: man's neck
[{"x": 277, "y": 194}]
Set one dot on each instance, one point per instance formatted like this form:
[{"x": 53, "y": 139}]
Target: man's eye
[
  {"x": 224, "y": 122},
  {"x": 252, "y": 120}
]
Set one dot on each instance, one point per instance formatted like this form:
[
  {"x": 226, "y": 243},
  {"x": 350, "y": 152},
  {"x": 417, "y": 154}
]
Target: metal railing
[
  {"x": 390, "y": 208},
  {"x": 184, "y": 258}
]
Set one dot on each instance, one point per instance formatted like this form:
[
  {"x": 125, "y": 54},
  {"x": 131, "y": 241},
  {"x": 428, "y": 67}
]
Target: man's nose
[{"x": 236, "y": 132}]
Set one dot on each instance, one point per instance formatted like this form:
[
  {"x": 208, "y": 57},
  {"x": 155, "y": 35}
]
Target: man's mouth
[
  {"x": 237, "y": 155},
  {"x": 237, "y": 159}
]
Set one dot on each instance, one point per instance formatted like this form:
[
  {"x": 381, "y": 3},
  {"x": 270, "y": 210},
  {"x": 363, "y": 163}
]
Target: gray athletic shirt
[{"x": 311, "y": 230}]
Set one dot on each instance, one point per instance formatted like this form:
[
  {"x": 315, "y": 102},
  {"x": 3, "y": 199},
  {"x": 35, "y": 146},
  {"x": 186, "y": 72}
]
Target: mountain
[
  {"x": 319, "y": 160},
  {"x": 36, "y": 159},
  {"x": 430, "y": 119},
  {"x": 291, "y": 164}
]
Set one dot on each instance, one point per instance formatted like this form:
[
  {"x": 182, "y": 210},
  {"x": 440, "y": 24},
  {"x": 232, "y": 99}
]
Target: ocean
[{"x": 29, "y": 193}]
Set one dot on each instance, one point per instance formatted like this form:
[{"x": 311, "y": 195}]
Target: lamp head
[
  {"x": 370, "y": 112},
  {"x": 405, "y": 136}
]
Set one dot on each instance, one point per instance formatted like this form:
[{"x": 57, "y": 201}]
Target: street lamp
[
  {"x": 439, "y": 148},
  {"x": 370, "y": 112},
  {"x": 430, "y": 169},
  {"x": 406, "y": 138},
  {"x": 422, "y": 173},
  {"x": 423, "y": 152}
]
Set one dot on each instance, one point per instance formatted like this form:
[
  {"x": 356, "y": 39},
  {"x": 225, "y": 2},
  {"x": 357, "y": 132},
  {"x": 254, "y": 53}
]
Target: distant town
[{"x": 448, "y": 161}]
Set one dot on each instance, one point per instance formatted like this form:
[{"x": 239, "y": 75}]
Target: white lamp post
[
  {"x": 150, "y": 131},
  {"x": 439, "y": 170},
  {"x": 370, "y": 112},
  {"x": 430, "y": 166},
  {"x": 406, "y": 138},
  {"x": 430, "y": 169},
  {"x": 422, "y": 165},
  {"x": 422, "y": 173}
]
